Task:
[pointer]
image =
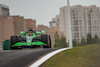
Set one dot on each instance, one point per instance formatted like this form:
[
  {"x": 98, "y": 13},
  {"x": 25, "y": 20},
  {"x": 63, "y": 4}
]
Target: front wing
[{"x": 25, "y": 44}]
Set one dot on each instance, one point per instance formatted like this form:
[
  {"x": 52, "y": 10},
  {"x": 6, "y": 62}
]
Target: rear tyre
[
  {"x": 50, "y": 41},
  {"x": 46, "y": 39}
]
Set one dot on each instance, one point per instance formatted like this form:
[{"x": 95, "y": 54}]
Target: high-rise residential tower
[
  {"x": 84, "y": 20},
  {"x": 4, "y": 10}
]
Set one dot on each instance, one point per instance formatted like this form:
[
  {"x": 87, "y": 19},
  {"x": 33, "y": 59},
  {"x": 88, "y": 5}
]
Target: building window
[
  {"x": 50, "y": 25},
  {"x": 57, "y": 24},
  {"x": 71, "y": 11},
  {"x": 63, "y": 11},
  {"x": 79, "y": 20},
  {"x": 57, "y": 19},
  {"x": 89, "y": 23},
  {"x": 80, "y": 23}
]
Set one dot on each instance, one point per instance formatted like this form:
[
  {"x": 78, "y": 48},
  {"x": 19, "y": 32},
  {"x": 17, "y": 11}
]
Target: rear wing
[
  {"x": 40, "y": 32},
  {"x": 37, "y": 32}
]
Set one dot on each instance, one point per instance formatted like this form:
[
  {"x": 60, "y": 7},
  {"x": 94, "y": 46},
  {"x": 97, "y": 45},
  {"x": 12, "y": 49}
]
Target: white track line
[{"x": 46, "y": 57}]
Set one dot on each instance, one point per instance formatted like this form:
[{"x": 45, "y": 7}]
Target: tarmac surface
[{"x": 22, "y": 58}]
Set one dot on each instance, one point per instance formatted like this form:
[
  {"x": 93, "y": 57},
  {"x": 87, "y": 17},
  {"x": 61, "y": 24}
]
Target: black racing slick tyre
[
  {"x": 49, "y": 41},
  {"x": 46, "y": 39},
  {"x": 13, "y": 40}
]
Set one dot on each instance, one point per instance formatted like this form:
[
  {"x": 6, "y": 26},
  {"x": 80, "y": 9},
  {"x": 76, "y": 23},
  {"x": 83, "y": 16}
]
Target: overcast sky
[{"x": 42, "y": 10}]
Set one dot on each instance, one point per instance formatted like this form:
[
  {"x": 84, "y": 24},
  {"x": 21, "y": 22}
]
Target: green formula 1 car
[{"x": 31, "y": 39}]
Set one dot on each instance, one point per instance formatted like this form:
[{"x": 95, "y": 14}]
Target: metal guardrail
[{"x": 1, "y": 45}]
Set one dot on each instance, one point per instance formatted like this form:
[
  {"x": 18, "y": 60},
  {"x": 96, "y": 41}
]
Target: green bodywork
[
  {"x": 29, "y": 40},
  {"x": 32, "y": 43}
]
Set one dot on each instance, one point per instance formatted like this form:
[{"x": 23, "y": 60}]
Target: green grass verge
[{"x": 83, "y": 56}]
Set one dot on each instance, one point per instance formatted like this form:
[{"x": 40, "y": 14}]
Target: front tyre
[{"x": 13, "y": 40}]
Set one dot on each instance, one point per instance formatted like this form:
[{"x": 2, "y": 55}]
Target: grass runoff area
[{"x": 82, "y": 56}]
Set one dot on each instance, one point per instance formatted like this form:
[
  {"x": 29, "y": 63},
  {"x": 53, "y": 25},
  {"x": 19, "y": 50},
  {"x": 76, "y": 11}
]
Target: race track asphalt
[{"x": 22, "y": 58}]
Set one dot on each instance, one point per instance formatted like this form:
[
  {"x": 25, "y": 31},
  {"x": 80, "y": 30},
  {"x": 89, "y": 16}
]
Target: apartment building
[
  {"x": 42, "y": 27},
  {"x": 55, "y": 22},
  {"x": 17, "y": 24},
  {"x": 1, "y": 31},
  {"x": 13, "y": 25},
  {"x": 25, "y": 26},
  {"x": 6, "y": 29},
  {"x": 21, "y": 23},
  {"x": 34, "y": 24},
  {"x": 30, "y": 24},
  {"x": 4, "y": 10},
  {"x": 50, "y": 31},
  {"x": 84, "y": 20}
]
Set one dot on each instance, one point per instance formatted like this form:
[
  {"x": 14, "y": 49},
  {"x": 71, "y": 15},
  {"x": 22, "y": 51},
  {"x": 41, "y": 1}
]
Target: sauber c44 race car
[{"x": 31, "y": 39}]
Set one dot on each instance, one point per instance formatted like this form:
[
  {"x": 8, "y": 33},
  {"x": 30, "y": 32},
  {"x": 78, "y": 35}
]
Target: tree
[
  {"x": 95, "y": 39},
  {"x": 56, "y": 40},
  {"x": 74, "y": 43},
  {"x": 89, "y": 38},
  {"x": 83, "y": 41},
  {"x": 62, "y": 42},
  {"x": 79, "y": 44},
  {"x": 99, "y": 40}
]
